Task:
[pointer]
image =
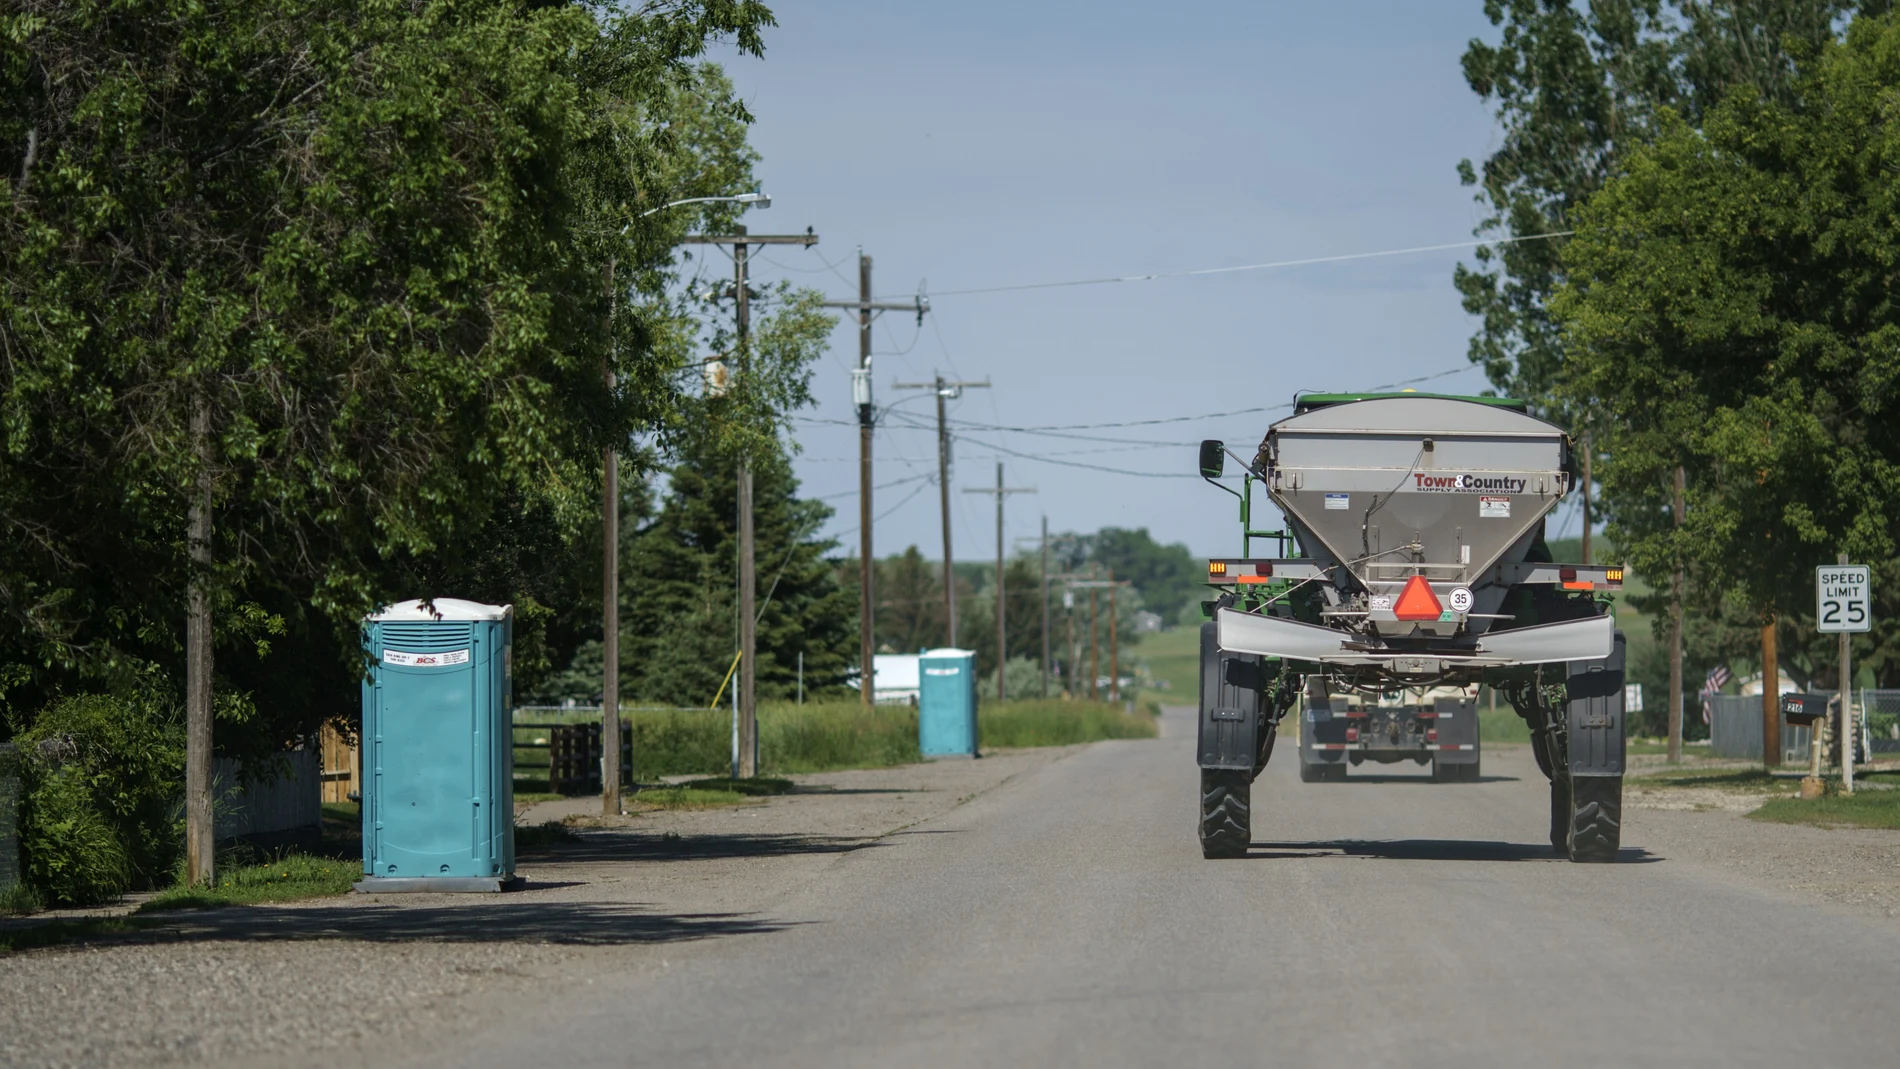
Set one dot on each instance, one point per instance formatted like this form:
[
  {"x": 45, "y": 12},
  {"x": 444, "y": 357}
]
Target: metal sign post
[{"x": 1843, "y": 603}]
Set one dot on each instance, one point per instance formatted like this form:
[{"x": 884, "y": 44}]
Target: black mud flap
[
  {"x": 1230, "y": 706},
  {"x": 1457, "y": 726},
  {"x": 1594, "y": 722}
]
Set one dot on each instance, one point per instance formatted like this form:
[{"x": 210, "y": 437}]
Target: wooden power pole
[
  {"x": 945, "y": 390},
  {"x": 1770, "y": 699},
  {"x": 610, "y": 602},
  {"x": 1002, "y": 646},
  {"x": 747, "y": 692},
  {"x": 1675, "y": 638},
  {"x": 867, "y": 425},
  {"x": 1045, "y": 607}
]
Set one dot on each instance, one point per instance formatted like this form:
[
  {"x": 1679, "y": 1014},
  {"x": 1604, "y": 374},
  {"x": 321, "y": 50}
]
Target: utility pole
[
  {"x": 1847, "y": 734},
  {"x": 747, "y": 692},
  {"x": 867, "y": 424},
  {"x": 1114, "y": 652},
  {"x": 1770, "y": 699},
  {"x": 1586, "y": 497},
  {"x": 945, "y": 390},
  {"x": 1675, "y": 637},
  {"x": 1045, "y": 608},
  {"x": 1068, "y": 612},
  {"x": 1114, "y": 648},
  {"x": 1095, "y": 648},
  {"x": 610, "y": 601},
  {"x": 1002, "y": 647}
]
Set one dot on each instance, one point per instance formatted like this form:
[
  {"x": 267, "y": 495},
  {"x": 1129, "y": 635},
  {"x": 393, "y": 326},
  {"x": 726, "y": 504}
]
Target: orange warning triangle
[{"x": 1417, "y": 602}]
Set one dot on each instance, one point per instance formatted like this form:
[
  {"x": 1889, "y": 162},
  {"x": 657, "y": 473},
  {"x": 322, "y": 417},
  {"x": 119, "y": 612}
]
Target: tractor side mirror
[{"x": 1213, "y": 458}]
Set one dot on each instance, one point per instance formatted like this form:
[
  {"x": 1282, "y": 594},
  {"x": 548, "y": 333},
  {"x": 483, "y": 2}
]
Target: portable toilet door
[
  {"x": 946, "y": 703},
  {"x": 438, "y": 747}
]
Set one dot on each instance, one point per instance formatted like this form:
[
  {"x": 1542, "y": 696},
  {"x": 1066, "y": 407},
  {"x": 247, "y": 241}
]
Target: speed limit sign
[{"x": 1843, "y": 598}]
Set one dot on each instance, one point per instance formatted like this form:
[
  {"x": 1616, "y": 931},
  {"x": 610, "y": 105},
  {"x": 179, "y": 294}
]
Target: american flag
[{"x": 1717, "y": 678}]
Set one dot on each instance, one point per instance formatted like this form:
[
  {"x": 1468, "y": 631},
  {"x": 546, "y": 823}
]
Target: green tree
[
  {"x": 909, "y": 603},
  {"x": 341, "y": 279},
  {"x": 679, "y": 623},
  {"x": 1729, "y": 310},
  {"x": 1576, "y": 87}
]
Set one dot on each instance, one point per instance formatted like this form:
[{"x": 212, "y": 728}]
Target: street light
[{"x": 756, "y": 200}]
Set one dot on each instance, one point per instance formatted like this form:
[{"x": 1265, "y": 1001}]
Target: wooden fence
[{"x": 341, "y": 772}]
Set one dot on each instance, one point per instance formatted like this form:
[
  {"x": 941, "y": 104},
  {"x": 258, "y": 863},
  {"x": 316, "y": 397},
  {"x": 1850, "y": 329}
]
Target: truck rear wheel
[
  {"x": 1595, "y": 818},
  {"x": 1225, "y": 827},
  {"x": 1443, "y": 772}
]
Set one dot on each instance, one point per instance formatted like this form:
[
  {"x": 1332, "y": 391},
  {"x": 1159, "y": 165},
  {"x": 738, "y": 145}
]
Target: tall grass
[
  {"x": 822, "y": 736},
  {"x": 1058, "y": 723}
]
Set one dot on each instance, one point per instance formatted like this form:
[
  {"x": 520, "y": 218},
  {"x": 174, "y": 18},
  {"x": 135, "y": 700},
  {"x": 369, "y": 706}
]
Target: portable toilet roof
[{"x": 431, "y": 610}]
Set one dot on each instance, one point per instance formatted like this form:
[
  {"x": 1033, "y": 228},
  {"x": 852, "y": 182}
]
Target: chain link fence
[{"x": 1735, "y": 724}]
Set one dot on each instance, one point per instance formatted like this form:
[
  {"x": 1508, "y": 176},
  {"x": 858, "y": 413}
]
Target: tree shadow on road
[
  {"x": 1421, "y": 778},
  {"x": 1427, "y": 850},
  {"x": 493, "y": 920},
  {"x": 619, "y": 845}
]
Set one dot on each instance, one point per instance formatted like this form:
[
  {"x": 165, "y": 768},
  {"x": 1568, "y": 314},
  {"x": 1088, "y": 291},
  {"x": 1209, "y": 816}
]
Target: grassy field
[{"x": 1172, "y": 657}]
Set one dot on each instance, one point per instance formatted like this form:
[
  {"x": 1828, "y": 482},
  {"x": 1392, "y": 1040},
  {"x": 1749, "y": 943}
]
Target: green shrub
[
  {"x": 73, "y": 855},
  {"x": 99, "y": 812},
  {"x": 18, "y": 898}
]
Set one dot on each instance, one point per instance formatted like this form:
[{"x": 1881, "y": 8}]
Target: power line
[
  {"x": 1080, "y": 464},
  {"x": 882, "y": 486},
  {"x": 1253, "y": 267}
]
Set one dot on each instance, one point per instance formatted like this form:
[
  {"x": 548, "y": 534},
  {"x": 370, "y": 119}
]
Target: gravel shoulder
[
  {"x": 322, "y": 982},
  {"x": 1854, "y": 869}
]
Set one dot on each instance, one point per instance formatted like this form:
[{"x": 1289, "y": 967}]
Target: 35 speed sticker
[{"x": 1461, "y": 599}]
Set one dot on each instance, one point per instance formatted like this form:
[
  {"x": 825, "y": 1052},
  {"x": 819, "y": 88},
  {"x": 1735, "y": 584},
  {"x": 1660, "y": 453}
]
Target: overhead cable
[{"x": 1248, "y": 267}]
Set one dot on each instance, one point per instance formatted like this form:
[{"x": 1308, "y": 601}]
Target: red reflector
[
  {"x": 1352, "y": 734},
  {"x": 1263, "y": 568},
  {"x": 1568, "y": 575},
  {"x": 1417, "y": 602},
  {"x": 1431, "y": 734}
]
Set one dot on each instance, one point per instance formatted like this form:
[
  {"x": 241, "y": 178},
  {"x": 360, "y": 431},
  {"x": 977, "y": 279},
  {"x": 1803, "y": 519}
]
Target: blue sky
[{"x": 982, "y": 144}]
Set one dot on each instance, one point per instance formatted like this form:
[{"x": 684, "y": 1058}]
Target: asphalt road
[{"x": 1067, "y": 918}]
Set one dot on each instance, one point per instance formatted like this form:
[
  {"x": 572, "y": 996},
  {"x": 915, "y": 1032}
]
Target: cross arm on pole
[
  {"x": 807, "y": 239},
  {"x": 941, "y": 384}
]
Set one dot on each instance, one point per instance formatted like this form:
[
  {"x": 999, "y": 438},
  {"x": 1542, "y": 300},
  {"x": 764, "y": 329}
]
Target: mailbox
[{"x": 1804, "y": 708}]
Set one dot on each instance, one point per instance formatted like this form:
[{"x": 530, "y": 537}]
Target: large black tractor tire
[
  {"x": 1225, "y": 827},
  {"x": 1560, "y": 815},
  {"x": 1596, "y": 818}
]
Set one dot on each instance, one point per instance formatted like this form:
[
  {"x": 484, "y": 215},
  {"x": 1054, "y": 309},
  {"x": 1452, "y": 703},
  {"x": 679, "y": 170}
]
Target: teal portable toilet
[
  {"x": 946, "y": 703},
  {"x": 438, "y": 748}
]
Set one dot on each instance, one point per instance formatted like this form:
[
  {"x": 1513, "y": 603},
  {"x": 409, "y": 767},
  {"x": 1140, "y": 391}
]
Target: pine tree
[
  {"x": 679, "y": 625},
  {"x": 909, "y": 603}
]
